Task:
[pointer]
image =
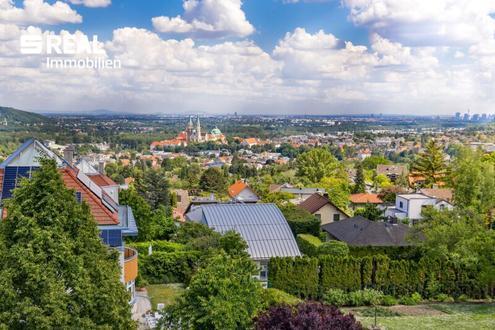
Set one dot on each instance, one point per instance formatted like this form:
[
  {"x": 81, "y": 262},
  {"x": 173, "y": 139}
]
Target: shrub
[
  {"x": 274, "y": 297},
  {"x": 308, "y": 244},
  {"x": 335, "y": 248},
  {"x": 413, "y": 299},
  {"x": 388, "y": 300},
  {"x": 301, "y": 221},
  {"x": 164, "y": 246},
  {"x": 365, "y": 297},
  {"x": 297, "y": 276},
  {"x": 340, "y": 273},
  {"x": 336, "y": 297},
  {"x": 167, "y": 267},
  {"x": 307, "y": 315},
  {"x": 442, "y": 297},
  {"x": 462, "y": 298}
]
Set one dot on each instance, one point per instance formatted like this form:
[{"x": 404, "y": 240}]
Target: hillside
[{"x": 15, "y": 116}]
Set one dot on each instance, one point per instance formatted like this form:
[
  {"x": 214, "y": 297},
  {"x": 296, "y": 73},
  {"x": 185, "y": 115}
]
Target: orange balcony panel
[{"x": 130, "y": 264}]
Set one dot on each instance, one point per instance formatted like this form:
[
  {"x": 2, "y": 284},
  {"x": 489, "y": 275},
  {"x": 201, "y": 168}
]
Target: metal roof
[{"x": 262, "y": 226}]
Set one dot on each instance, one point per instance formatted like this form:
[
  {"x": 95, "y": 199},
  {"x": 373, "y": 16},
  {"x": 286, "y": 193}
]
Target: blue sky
[{"x": 256, "y": 56}]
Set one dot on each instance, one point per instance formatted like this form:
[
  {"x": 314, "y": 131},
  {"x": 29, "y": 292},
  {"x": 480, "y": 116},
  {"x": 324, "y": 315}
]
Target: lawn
[
  {"x": 431, "y": 316},
  {"x": 164, "y": 293}
]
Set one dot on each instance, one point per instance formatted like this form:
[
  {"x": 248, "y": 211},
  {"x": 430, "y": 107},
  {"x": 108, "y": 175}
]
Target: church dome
[{"x": 216, "y": 131}]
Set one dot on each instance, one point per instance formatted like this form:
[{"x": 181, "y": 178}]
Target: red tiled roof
[
  {"x": 236, "y": 188},
  {"x": 365, "y": 198},
  {"x": 102, "y": 180},
  {"x": 101, "y": 213}
]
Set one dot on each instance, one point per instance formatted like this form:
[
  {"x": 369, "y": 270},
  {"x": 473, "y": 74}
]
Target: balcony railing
[{"x": 130, "y": 264}]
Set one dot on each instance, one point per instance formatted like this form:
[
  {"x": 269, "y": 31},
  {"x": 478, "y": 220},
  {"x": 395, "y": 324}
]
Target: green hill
[{"x": 16, "y": 117}]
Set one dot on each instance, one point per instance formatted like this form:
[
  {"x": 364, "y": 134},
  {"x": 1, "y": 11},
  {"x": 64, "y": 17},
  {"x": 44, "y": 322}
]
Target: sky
[{"x": 418, "y": 57}]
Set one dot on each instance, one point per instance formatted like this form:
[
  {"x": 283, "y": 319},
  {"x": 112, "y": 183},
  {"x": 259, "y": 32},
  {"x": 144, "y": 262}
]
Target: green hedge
[
  {"x": 167, "y": 267},
  {"x": 340, "y": 273},
  {"x": 429, "y": 277},
  {"x": 393, "y": 252},
  {"x": 163, "y": 246},
  {"x": 308, "y": 244},
  {"x": 297, "y": 276}
]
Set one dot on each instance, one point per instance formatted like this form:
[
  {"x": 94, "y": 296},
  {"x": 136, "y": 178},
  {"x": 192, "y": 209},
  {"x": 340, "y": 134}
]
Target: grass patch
[
  {"x": 164, "y": 293},
  {"x": 454, "y": 316},
  {"x": 380, "y": 312}
]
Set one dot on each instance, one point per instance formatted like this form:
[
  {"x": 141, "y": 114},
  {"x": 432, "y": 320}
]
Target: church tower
[
  {"x": 198, "y": 130},
  {"x": 189, "y": 130}
]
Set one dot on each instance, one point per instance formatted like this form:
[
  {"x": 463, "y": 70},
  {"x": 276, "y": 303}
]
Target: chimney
[
  {"x": 69, "y": 154},
  {"x": 101, "y": 167}
]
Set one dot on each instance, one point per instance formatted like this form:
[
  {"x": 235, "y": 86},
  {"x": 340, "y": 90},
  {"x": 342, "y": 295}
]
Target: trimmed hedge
[
  {"x": 393, "y": 252},
  {"x": 163, "y": 246},
  {"x": 428, "y": 277},
  {"x": 167, "y": 267},
  {"x": 308, "y": 244},
  {"x": 297, "y": 276}
]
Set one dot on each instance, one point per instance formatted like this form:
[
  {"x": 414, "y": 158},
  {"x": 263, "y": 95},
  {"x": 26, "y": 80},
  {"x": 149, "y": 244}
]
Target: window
[
  {"x": 263, "y": 272},
  {"x": 179, "y": 198},
  {"x": 336, "y": 217},
  {"x": 79, "y": 197},
  {"x": 401, "y": 205},
  {"x": 318, "y": 216}
]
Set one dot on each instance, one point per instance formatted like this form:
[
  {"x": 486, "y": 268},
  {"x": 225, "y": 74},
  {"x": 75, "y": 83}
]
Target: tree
[
  {"x": 430, "y": 164},
  {"x": 370, "y": 212},
  {"x": 222, "y": 295},
  {"x": 154, "y": 188},
  {"x": 338, "y": 190},
  {"x": 370, "y": 163},
  {"x": 359, "y": 184},
  {"x": 473, "y": 179},
  {"x": 212, "y": 180},
  {"x": 54, "y": 270},
  {"x": 316, "y": 164},
  {"x": 306, "y": 315}
]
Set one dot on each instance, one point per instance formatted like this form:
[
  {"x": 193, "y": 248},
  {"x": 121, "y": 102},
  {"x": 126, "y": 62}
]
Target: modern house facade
[
  {"x": 410, "y": 206},
  {"x": 94, "y": 188},
  {"x": 262, "y": 226}
]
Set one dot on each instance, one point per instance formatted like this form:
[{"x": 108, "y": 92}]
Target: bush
[
  {"x": 389, "y": 301},
  {"x": 336, "y": 297},
  {"x": 308, "y": 244},
  {"x": 274, "y": 297},
  {"x": 442, "y": 297},
  {"x": 413, "y": 299},
  {"x": 164, "y": 246},
  {"x": 365, "y": 297},
  {"x": 462, "y": 298},
  {"x": 303, "y": 317},
  {"x": 297, "y": 276},
  {"x": 167, "y": 267},
  {"x": 301, "y": 221},
  {"x": 340, "y": 273},
  {"x": 334, "y": 248}
]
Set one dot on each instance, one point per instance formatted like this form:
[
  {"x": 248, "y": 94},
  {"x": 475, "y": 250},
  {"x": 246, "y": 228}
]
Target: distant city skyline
[{"x": 257, "y": 56}]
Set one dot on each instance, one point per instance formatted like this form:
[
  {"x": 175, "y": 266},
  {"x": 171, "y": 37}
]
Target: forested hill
[{"x": 15, "y": 116}]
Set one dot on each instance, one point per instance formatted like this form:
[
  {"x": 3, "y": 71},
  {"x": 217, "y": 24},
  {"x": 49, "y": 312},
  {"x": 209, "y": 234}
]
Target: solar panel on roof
[{"x": 12, "y": 176}]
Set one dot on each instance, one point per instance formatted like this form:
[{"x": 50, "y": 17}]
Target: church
[{"x": 192, "y": 134}]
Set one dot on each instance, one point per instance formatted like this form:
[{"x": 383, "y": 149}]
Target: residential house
[
  {"x": 183, "y": 202},
  {"x": 438, "y": 193},
  {"x": 321, "y": 207},
  {"x": 300, "y": 194},
  {"x": 241, "y": 192},
  {"x": 359, "y": 231},
  {"x": 360, "y": 200},
  {"x": 410, "y": 206},
  {"x": 393, "y": 172},
  {"x": 262, "y": 226},
  {"x": 115, "y": 221}
]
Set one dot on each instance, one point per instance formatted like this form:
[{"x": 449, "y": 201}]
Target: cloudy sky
[{"x": 257, "y": 56}]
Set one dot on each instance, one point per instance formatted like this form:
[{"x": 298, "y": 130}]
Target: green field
[
  {"x": 432, "y": 316},
  {"x": 164, "y": 293}
]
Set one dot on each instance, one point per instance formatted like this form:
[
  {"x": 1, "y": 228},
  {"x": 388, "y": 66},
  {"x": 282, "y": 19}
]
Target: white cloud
[
  {"x": 426, "y": 22},
  {"x": 37, "y": 12},
  {"x": 207, "y": 19},
  {"x": 92, "y": 3}
]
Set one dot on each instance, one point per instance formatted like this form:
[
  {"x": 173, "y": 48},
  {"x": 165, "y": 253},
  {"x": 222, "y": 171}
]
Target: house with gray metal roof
[{"x": 262, "y": 226}]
